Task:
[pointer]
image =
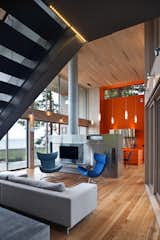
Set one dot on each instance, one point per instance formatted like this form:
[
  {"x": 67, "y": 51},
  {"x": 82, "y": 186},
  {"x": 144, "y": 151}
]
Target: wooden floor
[{"x": 123, "y": 212}]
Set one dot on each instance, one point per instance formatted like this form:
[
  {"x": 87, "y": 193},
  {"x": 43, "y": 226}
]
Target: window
[
  {"x": 83, "y": 130},
  {"x": 47, "y": 100},
  {"x": 40, "y": 139},
  {"x": 124, "y": 92},
  {"x": 82, "y": 103},
  {"x": 63, "y": 129},
  {"x": 3, "y": 154},
  {"x": 17, "y": 145},
  {"x": 13, "y": 147},
  {"x": 55, "y": 129},
  {"x": 55, "y": 98}
]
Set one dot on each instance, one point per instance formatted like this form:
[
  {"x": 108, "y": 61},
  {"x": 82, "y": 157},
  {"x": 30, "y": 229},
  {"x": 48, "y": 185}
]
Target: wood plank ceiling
[{"x": 113, "y": 59}]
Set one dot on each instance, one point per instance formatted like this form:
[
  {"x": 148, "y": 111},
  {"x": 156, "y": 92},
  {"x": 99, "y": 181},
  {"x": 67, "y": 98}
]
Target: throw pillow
[{"x": 59, "y": 187}]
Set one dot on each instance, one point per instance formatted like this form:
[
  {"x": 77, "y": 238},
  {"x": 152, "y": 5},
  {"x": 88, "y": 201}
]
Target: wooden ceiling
[{"x": 113, "y": 59}]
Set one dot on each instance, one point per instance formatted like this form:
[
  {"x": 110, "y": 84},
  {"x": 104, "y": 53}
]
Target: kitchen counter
[{"x": 137, "y": 157}]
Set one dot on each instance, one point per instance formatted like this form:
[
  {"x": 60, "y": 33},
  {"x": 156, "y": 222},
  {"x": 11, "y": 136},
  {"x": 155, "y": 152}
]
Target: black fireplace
[{"x": 71, "y": 153}]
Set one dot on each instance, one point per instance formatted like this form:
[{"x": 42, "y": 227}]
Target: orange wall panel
[{"x": 135, "y": 105}]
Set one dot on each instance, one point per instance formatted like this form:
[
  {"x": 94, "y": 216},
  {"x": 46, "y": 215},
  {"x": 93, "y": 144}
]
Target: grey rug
[{"x": 14, "y": 226}]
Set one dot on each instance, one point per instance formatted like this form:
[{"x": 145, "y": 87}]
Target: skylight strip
[
  {"x": 27, "y": 32},
  {"x": 6, "y": 52}
]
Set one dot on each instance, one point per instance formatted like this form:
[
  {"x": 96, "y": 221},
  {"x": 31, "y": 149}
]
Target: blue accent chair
[
  {"x": 48, "y": 164},
  {"x": 101, "y": 162}
]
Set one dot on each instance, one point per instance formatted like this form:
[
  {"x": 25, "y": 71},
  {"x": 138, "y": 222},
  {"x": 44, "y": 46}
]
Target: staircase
[{"x": 34, "y": 46}]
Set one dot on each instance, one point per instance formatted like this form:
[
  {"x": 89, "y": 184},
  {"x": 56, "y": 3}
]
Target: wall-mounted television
[{"x": 68, "y": 152}]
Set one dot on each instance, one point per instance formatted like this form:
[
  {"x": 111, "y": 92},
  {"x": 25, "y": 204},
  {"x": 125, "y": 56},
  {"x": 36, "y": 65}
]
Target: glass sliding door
[
  {"x": 40, "y": 139},
  {"x": 3, "y": 154},
  {"x": 17, "y": 145}
]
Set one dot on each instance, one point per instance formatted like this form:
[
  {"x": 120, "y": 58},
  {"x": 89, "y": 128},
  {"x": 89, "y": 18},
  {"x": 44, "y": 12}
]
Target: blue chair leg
[{"x": 92, "y": 180}]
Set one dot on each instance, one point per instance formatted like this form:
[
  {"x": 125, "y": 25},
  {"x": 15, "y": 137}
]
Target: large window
[
  {"x": 13, "y": 147},
  {"x": 17, "y": 145},
  {"x": 47, "y": 100},
  {"x": 40, "y": 139},
  {"x": 55, "y": 98},
  {"x": 3, "y": 154}
]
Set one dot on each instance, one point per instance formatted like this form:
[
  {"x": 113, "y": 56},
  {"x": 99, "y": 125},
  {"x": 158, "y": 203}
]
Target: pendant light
[
  {"x": 135, "y": 118},
  {"x": 135, "y": 111},
  {"x": 112, "y": 118},
  {"x": 126, "y": 110},
  {"x": 48, "y": 113}
]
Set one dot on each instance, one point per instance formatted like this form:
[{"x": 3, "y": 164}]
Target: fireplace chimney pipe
[{"x": 73, "y": 96}]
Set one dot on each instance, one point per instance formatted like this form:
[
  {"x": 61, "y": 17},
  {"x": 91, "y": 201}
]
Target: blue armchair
[
  {"x": 48, "y": 164},
  {"x": 101, "y": 162}
]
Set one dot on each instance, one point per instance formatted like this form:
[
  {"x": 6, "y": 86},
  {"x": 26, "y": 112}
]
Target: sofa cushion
[
  {"x": 59, "y": 187},
  {"x": 4, "y": 176}
]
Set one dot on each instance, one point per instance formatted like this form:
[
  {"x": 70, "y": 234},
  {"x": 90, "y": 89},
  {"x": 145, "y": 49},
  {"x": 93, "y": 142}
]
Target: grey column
[{"x": 73, "y": 96}]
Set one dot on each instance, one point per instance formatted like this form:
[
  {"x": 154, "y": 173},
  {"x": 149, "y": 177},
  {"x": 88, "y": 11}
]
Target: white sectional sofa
[{"x": 66, "y": 208}]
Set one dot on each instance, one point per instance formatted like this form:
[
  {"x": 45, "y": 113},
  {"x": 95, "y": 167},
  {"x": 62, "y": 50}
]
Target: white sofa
[{"x": 66, "y": 208}]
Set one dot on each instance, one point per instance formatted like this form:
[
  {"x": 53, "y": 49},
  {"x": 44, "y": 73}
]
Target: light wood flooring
[{"x": 123, "y": 212}]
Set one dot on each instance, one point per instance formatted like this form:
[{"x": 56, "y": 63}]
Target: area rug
[{"x": 15, "y": 226}]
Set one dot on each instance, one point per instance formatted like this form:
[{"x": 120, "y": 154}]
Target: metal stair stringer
[{"x": 44, "y": 73}]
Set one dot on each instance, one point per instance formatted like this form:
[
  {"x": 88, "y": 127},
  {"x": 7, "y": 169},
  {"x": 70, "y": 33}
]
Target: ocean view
[{"x": 13, "y": 144}]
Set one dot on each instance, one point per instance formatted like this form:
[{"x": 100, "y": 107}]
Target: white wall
[
  {"x": 94, "y": 109},
  {"x": 82, "y": 98}
]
